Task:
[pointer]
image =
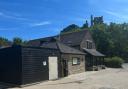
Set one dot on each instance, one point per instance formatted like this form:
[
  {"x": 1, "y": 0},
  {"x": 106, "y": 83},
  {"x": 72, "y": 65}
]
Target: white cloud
[
  {"x": 118, "y": 15},
  {"x": 11, "y": 16},
  {"x": 15, "y": 16},
  {"x": 40, "y": 23}
]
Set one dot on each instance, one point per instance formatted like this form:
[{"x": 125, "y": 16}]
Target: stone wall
[{"x": 73, "y": 69}]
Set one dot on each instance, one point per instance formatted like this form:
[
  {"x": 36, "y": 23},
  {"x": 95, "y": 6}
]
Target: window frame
[
  {"x": 78, "y": 61},
  {"x": 89, "y": 44}
]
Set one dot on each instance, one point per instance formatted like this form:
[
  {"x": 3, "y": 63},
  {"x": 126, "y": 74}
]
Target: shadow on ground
[{"x": 6, "y": 86}]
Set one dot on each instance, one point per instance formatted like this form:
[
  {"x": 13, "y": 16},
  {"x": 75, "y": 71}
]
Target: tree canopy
[
  {"x": 3, "y": 42},
  {"x": 16, "y": 41},
  {"x": 71, "y": 28}
]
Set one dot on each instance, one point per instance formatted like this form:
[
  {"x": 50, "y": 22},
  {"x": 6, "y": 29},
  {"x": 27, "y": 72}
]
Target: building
[{"x": 81, "y": 40}]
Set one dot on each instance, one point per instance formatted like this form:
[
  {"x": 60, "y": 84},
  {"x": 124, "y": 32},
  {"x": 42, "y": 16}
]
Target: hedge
[{"x": 114, "y": 62}]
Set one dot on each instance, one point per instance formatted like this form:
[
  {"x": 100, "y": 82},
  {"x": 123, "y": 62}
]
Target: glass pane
[{"x": 75, "y": 61}]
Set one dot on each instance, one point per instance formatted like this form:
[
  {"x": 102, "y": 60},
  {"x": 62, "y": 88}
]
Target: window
[
  {"x": 89, "y": 45},
  {"x": 76, "y": 61}
]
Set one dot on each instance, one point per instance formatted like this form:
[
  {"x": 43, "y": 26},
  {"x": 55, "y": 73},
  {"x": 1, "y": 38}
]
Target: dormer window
[{"x": 89, "y": 45}]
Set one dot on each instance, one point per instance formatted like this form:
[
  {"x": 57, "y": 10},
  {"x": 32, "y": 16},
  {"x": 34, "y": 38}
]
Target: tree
[
  {"x": 70, "y": 28},
  {"x": 85, "y": 25},
  {"x": 98, "y": 20},
  {"x": 17, "y": 41},
  {"x": 3, "y": 41},
  {"x": 102, "y": 41}
]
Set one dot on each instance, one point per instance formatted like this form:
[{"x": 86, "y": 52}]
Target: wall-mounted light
[{"x": 44, "y": 63}]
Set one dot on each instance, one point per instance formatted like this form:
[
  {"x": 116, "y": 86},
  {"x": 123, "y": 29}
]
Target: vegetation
[
  {"x": 111, "y": 39},
  {"x": 3, "y": 42},
  {"x": 70, "y": 28},
  {"x": 86, "y": 25},
  {"x": 114, "y": 62},
  {"x": 16, "y": 41}
]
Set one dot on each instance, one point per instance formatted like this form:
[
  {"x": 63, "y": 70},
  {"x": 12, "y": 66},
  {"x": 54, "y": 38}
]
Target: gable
[
  {"x": 74, "y": 38},
  {"x": 88, "y": 37}
]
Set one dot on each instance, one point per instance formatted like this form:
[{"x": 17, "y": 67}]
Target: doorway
[
  {"x": 65, "y": 68},
  {"x": 53, "y": 68}
]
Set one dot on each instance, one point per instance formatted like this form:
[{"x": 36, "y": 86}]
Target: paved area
[{"x": 104, "y": 79}]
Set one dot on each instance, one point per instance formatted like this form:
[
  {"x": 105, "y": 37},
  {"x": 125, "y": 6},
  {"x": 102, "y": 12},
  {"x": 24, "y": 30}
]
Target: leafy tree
[
  {"x": 17, "y": 41},
  {"x": 98, "y": 20},
  {"x": 85, "y": 25},
  {"x": 3, "y": 41},
  {"x": 70, "y": 28}
]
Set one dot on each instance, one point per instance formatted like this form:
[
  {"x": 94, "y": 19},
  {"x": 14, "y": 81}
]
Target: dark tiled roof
[
  {"x": 93, "y": 52},
  {"x": 66, "y": 49},
  {"x": 50, "y": 45},
  {"x": 73, "y": 38},
  {"x": 62, "y": 47},
  {"x": 37, "y": 42}
]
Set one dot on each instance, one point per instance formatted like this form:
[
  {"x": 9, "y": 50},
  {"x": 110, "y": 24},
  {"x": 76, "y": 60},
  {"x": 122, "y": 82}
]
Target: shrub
[{"x": 114, "y": 62}]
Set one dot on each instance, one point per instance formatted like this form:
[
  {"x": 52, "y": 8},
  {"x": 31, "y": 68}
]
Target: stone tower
[{"x": 91, "y": 20}]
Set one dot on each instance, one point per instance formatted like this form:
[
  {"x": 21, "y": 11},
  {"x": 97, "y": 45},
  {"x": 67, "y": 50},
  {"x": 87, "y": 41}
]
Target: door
[
  {"x": 65, "y": 68},
  {"x": 53, "y": 68}
]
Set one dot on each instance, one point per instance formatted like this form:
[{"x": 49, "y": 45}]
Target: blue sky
[{"x": 30, "y": 19}]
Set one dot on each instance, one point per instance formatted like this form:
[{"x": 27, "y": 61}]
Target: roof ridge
[
  {"x": 74, "y": 32},
  {"x": 43, "y": 38}
]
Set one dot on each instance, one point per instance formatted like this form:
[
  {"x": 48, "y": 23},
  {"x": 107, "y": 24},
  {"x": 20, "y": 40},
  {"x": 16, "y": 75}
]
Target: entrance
[
  {"x": 53, "y": 68},
  {"x": 65, "y": 68}
]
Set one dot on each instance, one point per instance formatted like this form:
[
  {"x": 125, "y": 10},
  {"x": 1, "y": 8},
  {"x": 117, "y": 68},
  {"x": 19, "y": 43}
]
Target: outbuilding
[{"x": 22, "y": 65}]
